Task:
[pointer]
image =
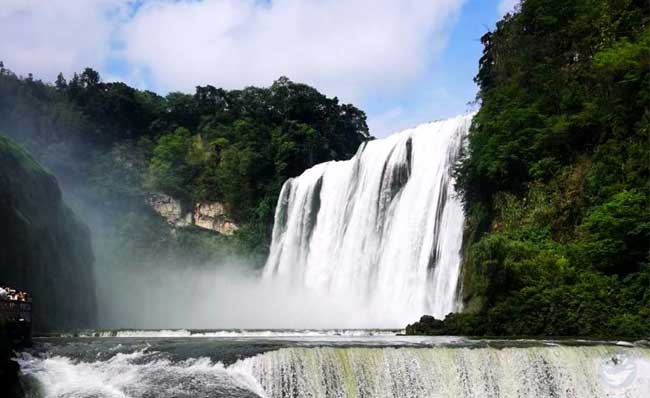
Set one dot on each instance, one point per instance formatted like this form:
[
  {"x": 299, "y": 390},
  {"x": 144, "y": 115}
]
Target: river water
[{"x": 328, "y": 363}]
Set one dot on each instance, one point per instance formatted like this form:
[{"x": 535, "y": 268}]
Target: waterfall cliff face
[
  {"x": 537, "y": 372},
  {"x": 382, "y": 230}
]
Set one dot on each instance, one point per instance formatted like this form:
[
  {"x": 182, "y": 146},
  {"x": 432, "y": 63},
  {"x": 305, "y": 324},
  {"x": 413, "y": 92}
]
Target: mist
[
  {"x": 150, "y": 275},
  {"x": 232, "y": 296}
]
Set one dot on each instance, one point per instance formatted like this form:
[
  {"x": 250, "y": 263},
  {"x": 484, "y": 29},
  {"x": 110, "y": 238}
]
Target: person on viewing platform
[{"x": 7, "y": 293}]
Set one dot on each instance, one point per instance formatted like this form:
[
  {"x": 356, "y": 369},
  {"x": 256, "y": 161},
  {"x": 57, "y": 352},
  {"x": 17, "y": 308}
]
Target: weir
[
  {"x": 341, "y": 368},
  {"x": 382, "y": 230},
  {"x": 533, "y": 372}
]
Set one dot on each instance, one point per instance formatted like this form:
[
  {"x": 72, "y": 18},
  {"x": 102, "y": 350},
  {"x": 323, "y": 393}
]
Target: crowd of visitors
[{"x": 7, "y": 293}]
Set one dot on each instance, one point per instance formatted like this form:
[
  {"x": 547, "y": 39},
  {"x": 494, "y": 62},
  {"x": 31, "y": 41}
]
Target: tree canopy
[
  {"x": 110, "y": 143},
  {"x": 556, "y": 175}
]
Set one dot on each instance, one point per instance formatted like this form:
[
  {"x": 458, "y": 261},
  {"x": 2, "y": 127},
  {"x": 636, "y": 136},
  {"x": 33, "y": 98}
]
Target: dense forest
[
  {"x": 556, "y": 176},
  {"x": 110, "y": 144}
]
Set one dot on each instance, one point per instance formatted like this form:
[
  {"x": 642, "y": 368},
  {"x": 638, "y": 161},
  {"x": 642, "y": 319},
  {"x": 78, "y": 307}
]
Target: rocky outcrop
[
  {"x": 212, "y": 215},
  {"x": 10, "y": 377},
  {"x": 206, "y": 215},
  {"x": 9, "y": 369},
  {"x": 45, "y": 249},
  {"x": 170, "y": 209}
]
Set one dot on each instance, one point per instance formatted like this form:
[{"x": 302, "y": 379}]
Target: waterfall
[
  {"x": 382, "y": 231},
  {"x": 534, "y": 372}
]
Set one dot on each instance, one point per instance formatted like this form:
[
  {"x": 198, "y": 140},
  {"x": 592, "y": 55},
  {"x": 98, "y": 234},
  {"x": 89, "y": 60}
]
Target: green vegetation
[
  {"x": 555, "y": 179},
  {"x": 556, "y": 176},
  {"x": 110, "y": 144},
  {"x": 45, "y": 249}
]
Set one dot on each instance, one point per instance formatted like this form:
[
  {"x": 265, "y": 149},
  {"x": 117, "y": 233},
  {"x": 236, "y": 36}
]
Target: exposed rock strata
[{"x": 207, "y": 215}]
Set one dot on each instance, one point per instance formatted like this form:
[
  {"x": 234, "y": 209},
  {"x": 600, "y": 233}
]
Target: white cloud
[
  {"x": 506, "y": 6},
  {"x": 347, "y": 48},
  {"x": 355, "y": 49},
  {"x": 50, "y": 36}
]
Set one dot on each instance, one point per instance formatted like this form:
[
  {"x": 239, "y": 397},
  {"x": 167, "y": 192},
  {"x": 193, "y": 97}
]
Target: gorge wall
[{"x": 46, "y": 250}]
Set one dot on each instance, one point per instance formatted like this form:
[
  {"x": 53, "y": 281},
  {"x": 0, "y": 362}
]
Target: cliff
[{"x": 46, "y": 250}]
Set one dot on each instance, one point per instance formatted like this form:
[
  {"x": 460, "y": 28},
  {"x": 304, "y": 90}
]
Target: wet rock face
[
  {"x": 206, "y": 215},
  {"x": 10, "y": 377}
]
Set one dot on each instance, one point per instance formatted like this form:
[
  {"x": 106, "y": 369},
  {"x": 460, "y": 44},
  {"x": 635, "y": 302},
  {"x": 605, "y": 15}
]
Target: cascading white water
[
  {"x": 382, "y": 230},
  {"x": 560, "y": 371},
  {"x": 536, "y": 372}
]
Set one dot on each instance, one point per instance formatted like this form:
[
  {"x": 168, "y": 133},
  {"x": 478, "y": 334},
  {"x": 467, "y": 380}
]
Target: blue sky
[
  {"x": 447, "y": 87},
  {"x": 404, "y": 62}
]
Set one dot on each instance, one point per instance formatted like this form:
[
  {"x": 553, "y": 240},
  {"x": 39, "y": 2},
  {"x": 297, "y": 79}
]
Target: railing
[
  {"x": 16, "y": 320},
  {"x": 16, "y": 310}
]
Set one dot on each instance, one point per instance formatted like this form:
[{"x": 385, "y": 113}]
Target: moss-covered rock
[{"x": 45, "y": 250}]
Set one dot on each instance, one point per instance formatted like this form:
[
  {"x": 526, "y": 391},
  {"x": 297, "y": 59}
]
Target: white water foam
[
  {"x": 137, "y": 374},
  {"x": 540, "y": 372}
]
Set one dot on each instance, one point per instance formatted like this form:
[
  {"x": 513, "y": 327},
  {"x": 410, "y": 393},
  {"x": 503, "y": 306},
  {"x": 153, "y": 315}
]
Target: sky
[{"x": 404, "y": 62}]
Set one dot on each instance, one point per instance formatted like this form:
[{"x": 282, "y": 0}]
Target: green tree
[{"x": 169, "y": 171}]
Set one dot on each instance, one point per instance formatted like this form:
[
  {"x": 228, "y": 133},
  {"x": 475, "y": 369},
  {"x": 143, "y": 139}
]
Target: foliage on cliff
[
  {"x": 110, "y": 143},
  {"x": 45, "y": 249},
  {"x": 556, "y": 176}
]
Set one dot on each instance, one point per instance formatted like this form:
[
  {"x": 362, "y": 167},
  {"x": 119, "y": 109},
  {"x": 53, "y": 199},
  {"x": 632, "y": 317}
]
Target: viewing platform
[{"x": 16, "y": 314}]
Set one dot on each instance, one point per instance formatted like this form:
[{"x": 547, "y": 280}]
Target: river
[{"x": 328, "y": 363}]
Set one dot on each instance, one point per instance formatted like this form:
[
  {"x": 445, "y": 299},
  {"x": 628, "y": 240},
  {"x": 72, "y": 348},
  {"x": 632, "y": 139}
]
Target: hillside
[
  {"x": 112, "y": 145},
  {"x": 556, "y": 175},
  {"x": 175, "y": 182}
]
